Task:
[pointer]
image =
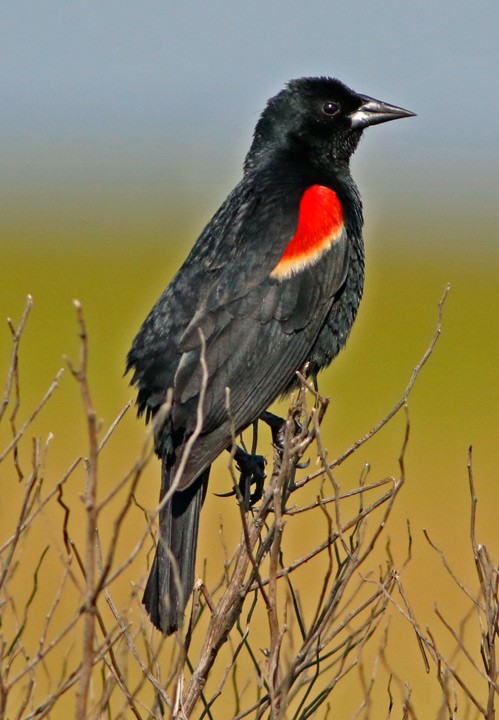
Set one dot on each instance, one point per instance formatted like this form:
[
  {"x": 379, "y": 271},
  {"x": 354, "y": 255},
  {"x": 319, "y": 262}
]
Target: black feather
[{"x": 257, "y": 329}]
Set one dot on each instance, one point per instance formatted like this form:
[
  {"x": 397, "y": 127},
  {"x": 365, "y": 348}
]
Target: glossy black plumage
[{"x": 258, "y": 329}]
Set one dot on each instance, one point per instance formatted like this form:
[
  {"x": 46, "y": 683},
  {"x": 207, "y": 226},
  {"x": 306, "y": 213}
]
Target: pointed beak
[{"x": 373, "y": 112}]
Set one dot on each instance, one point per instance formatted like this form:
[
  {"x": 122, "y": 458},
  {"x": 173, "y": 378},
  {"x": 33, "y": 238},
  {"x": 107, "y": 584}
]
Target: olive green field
[{"x": 117, "y": 272}]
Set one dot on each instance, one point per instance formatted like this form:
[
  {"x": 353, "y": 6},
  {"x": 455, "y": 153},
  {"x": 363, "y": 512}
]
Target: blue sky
[{"x": 146, "y": 101}]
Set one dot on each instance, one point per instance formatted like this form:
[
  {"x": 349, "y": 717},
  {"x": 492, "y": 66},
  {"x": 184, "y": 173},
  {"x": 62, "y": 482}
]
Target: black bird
[{"x": 273, "y": 282}]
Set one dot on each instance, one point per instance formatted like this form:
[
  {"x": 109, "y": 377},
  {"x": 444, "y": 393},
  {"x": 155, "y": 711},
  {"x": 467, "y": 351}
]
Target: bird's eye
[{"x": 330, "y": 107}]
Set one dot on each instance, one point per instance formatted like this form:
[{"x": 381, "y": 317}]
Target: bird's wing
[{"x": 221, "y": 265}]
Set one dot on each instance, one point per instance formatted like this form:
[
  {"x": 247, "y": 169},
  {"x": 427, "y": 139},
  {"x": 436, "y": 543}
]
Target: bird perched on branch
[{"x": 273, "y": 282}]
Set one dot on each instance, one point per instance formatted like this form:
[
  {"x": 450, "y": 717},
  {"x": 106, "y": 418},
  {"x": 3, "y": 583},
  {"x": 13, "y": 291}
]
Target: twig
[{"x": 90, "y": 505}]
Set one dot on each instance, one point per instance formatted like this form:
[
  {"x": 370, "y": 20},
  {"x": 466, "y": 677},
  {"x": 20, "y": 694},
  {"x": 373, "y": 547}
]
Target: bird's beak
[{"x": 373, "y": 112}]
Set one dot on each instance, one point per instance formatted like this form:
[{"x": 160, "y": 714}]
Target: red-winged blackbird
[{"x": 273, "y": 282}]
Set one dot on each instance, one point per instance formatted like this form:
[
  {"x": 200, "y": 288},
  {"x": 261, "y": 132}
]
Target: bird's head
[{"x": 320, "y": 118}]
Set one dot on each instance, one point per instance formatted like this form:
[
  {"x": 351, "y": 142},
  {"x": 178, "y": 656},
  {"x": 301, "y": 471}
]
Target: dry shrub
[{"x": 273, "y": 637}]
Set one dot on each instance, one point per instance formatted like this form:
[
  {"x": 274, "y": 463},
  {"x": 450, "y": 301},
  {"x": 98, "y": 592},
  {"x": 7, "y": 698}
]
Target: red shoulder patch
[{"x": 320, "y": 223}]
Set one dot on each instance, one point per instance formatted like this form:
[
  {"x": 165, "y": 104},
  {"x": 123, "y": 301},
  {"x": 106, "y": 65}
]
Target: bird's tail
[{"x": 171, "y": 579}]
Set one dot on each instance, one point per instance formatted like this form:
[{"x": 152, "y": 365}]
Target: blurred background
[{"x": 123, "y": 127}]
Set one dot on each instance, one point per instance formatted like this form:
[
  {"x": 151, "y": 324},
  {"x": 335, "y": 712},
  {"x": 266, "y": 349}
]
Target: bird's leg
[{"x": 252, "y": 466}]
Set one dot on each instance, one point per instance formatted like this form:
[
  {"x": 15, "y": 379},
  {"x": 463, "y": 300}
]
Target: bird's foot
[
  {"x": 277, "y": 427},
  {"x": 252, "y": 472}
]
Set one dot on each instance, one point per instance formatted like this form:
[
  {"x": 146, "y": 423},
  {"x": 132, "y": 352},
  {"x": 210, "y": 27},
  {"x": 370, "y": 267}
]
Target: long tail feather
[{"x": 171, "y": 579}]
